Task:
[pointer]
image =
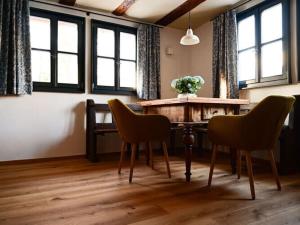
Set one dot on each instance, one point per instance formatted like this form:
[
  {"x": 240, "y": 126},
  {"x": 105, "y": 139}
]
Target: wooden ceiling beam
[
  {"x": 67, "y": 2},
  {"x": 123, "y": 7},
  {"x": 179, "y": 11}
]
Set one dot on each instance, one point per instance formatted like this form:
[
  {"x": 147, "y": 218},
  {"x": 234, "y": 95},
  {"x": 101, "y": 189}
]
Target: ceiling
[{"x": 153, "y": 10}]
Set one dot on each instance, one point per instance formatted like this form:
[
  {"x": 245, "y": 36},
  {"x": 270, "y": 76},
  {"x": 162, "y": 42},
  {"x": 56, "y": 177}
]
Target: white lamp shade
[{"x": 189, "y": 38}]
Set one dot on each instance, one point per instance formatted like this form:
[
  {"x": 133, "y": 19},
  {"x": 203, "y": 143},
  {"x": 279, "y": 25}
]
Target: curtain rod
[
  {"x": 235, "y": 6},
  {"x": 93, "y": 12}
]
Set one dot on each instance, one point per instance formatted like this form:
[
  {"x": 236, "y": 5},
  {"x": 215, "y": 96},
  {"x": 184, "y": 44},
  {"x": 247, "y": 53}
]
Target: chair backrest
[
  {"x": 262, "y": 125},
  {"x": 136, "y": 128},
  {"x": 124, "y": 117}
]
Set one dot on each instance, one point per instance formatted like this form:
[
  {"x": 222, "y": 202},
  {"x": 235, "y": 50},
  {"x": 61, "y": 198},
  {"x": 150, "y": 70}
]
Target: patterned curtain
[
  {"x": 148, "y": 79},
  {"x": 15, "y": 65},
  {"x": 225, "y": 56}
]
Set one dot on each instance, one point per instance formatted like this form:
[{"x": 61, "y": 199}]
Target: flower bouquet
[{"x": 187, "y": 86}]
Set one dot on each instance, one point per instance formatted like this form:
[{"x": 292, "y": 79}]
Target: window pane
[
  {"x": 67, "y": 37},
  {"x": 246, "y": 65},
  {"x": 127, "y": 74},
  {"x": 67, "y": 69},
  {"x": 105, "y": 42},
  {"x": 246, "y": 33},
  {"x": 40, "y": 66},
  {"x": 272, "y": 59},
  {"x": 271, "y": 23},
  {"x": 105, "y": 72},
  {"x": 127, "y": 46},
  {"x": 40, "y": 32}
]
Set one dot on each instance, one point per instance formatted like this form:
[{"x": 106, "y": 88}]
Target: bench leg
[{"x": 91, "y": 148}]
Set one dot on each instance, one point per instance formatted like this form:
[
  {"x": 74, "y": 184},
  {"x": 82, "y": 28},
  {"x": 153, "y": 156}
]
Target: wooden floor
[{"x": 76, "y": 192}]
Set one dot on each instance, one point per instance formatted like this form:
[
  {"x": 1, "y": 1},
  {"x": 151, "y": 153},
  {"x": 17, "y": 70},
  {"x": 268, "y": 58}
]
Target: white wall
[
  {"x": 53, "y": 124},
  {"x": 44, "y": 125}
]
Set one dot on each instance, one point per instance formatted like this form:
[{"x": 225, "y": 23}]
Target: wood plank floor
[{"x": 74, "y": 191}]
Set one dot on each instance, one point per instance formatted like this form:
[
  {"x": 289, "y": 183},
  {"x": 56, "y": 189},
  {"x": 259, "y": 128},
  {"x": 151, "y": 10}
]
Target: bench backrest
[{"x": 92, "y": 109}]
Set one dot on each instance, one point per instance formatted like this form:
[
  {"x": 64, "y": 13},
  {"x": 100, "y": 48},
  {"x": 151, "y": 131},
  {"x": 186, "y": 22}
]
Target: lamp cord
[{"x": 189, "y": 19}]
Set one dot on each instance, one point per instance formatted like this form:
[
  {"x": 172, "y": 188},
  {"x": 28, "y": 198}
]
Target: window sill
[
  {"x": 59, "y": 90},
  {"x": 266, "y": 84}
]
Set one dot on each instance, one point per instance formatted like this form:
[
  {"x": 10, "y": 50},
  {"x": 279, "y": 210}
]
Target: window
[
  {"x": 57, "y": 51},
  {"x": 114, "y": 58},
  {"x": 263, "y": 44},
  {"x": 298, "y": 38}
]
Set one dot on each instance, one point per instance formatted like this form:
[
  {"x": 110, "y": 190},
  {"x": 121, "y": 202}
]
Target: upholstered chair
[
  {"x": 136, "y": 128},
  {"x": 258, "y": 130}
]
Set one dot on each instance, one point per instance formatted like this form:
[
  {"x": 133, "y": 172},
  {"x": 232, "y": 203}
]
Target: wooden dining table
[{"x": 191, "y": 113}]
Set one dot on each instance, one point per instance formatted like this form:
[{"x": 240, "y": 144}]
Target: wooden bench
[{"x": 93, "y": 128}]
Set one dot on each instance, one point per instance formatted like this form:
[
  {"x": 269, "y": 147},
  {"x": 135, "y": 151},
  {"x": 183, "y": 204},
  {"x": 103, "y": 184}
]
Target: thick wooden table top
[{"x": 197, "y": 100}]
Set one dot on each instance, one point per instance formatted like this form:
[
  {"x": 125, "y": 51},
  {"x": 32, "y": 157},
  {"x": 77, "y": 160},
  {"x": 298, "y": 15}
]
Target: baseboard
[{"x": 38, "y": 160}]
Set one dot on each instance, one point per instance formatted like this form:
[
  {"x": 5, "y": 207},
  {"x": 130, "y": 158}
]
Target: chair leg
[
  {"x": 200, "y": 142},
  {"x": 166, "y": 158},
  {"x": 123, "y": 146},
  {"x": 172, "y": 140},
  {"x": 239, "y": 163},
  {"x": 137, "y": 152},
  {"x": 212, "y": 164},
  {"x": 151, "y": 154},
  {"x": 250, "y": 173},
  {"x": 128, "y": 149},
  {"x": 274, "y": 169},
  {"x": 133, "y": 151},
  {"x": 147, "y": 153}
]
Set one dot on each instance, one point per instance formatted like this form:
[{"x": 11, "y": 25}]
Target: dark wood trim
[
  {"x": 112, "y": 156},
  {"x": 178, "y": 12},
  {"x": 54, "y": 86},
  {"x": 266, "y": 84},
  {"x": 39, "y": 160},
  {"x": 67, "y": 2},
  {"x": 285, "y": 77},
  {"x": 298, "y": 37},
  {"x": 116, "y": 89},
  {"x": 123, "y": 7}
]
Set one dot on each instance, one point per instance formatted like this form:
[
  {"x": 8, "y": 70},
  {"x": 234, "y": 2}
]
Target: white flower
[
  {"x": 201, "y": 80},
  {"x": 173, "y": 83},
  {"x": 187, "y": 83}
]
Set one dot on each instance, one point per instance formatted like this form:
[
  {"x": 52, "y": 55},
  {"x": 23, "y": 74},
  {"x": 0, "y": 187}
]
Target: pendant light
[{"x": 189, "y": 38}]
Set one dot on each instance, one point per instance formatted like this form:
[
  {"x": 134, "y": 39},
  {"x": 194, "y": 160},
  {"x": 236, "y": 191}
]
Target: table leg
[
  {"x": 233, "y": 151},
  {"x": 188, "y": 140},
  {"x": 233, "y": 158}
]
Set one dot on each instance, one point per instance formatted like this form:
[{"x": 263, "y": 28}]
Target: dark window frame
[
  {"x": 298, "y": 37},
  {"x": 281, "y": 79},
  {"x": 54, "y": 86},
  {"x": 116, "y": 89}
]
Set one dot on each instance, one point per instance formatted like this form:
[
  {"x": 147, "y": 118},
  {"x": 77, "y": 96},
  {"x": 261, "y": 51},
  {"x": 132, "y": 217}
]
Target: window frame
[
  {"x": 283, "y": 78},
  {"x": 54, "y": 86},
  {"x": 298, "y": 36},
  {"x": 116, "y": 89}
]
